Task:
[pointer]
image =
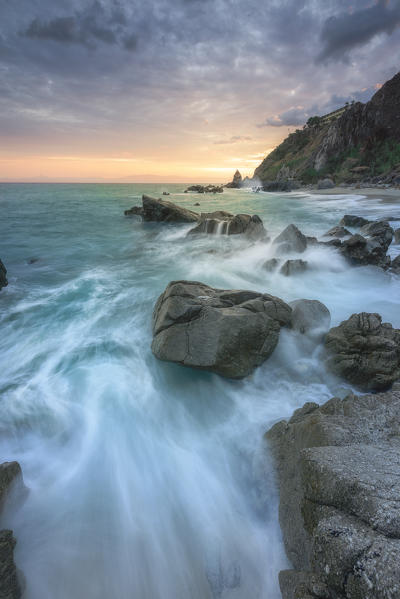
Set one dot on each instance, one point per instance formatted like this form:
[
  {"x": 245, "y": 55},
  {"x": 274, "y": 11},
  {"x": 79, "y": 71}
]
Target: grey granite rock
[
  {"x": 3, "y": 275},
  {"x": 291, "y": 240},
  {"x": 229, "y": 332},
  {"x": 293, "y": 267},
  {"x": 364, "y": 351},
  {"x": 338, "y": 471}
]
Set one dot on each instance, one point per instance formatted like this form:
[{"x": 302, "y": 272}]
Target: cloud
[
  {"x": 233, "y": 140},
  {"x": 290, "y": 118},
  {"x": 342, "y": 33},
  {"x": 299, "y": 115},
  {"x": 95, "y": 23}
]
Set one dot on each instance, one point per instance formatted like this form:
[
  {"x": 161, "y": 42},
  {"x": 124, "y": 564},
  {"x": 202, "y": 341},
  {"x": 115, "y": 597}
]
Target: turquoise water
[{"x": 148, "y": 480}]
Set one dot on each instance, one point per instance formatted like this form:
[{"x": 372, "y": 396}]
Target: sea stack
[{"x": 236, "y": 181}]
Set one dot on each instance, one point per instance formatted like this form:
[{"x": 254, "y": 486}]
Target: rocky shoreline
[{"x": 338, "y": 465}]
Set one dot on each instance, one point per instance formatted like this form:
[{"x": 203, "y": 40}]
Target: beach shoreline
[{"x": 388, "y": 194}]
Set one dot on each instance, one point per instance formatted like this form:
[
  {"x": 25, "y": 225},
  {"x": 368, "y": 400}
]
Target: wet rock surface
[
  {"x": 3, "y": 275},
  {"x": 310, "y": 317},
  {"x": 10, "y": 579},
  {"x": 364, "y": 351},
  {"x": 224, "y": 223},
  {"x": 291, "y": 240},
  {"x": 229, "y": 332},
  {"x": 338, "y": 470},
  {"x": 293, "y": 267},
  {"x": 350, "y": 220},
  {"x": 337, "y": 231},
  {"x": 157, "y": 210}
]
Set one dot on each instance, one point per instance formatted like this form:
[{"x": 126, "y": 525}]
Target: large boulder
[
  {"x": 310, "y": 317},
  {"x": 350, "y": 220},
  {"x": 291, "y": 240},
  {"x": 229, "y": 332},
  {"x": 224, "y": 223},
  {"x": 3, "y": 275},
  {"x": 153, "y": 210},
  {"x": 364, "y": 351},
  {"x": 396, "y": 236},
  {"x": 338, "y": 468},
  {"x": 10, "y": 580},
  {"x": 395, "y": 265},
  {"x": 379, "y": 229}
]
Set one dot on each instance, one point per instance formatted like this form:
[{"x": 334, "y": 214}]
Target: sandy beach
[{"x": 390, "y": 194}]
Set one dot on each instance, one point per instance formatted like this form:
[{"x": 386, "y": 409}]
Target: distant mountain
[{"x": 357, "y": 142}]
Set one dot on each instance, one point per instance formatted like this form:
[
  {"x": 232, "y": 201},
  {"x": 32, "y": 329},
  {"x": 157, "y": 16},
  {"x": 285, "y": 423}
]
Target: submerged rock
[
  {"x": 271, "y": 264},
  {"x": 229, "y": 332},
  {"x": 310, "y": 317},
  {"x": 224, "y": 223},
  {"x": 162, "y": 211},
  {"x": 291, "y": 240},
  {"x": 364, "y": 351},
  {"x": 293, "y": 267},
  {"x": 339, "y": 486},
  {"x": 3, "y": 275},
  {"x": 395, "y": 265},
  {"x": 349, "y": 220},
  {"x": 10, "y": 580}
]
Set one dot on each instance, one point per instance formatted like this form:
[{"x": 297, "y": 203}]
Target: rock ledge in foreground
[{"x": 338, "y": 470}]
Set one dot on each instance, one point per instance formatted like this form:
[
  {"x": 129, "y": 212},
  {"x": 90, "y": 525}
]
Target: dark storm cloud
[
  {"x": 92, "y": 24},
  {"x": 128, "y": 67},
  {"x": 344, "y": 32}
]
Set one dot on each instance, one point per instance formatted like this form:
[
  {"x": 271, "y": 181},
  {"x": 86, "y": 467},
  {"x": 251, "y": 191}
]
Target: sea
[{"x": 148, "y": 480}]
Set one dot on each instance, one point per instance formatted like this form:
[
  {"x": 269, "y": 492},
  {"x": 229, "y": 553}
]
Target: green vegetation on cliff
[{"x": 356, "y": 142}]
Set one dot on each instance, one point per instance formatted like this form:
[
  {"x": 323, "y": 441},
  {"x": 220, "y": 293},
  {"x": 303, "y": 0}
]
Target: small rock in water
[
  {"x": 293, "y": 267},
  {"x": 291, "y": 240},
  {"x": 272, "y": 264},
  {"x": 3, "y": 275},
  {"x": 325, "y": 184},
  {"x": 310, "y": 317}
]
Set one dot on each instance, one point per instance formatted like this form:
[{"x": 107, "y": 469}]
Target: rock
[
  {"x": 337, "y": 231},
  {"x": 349, "y": 220},
  {"x": 165, "y": 193},
  {"x": 339, "y": 485},
  {"x": 236, "y": 181},
  {"x": 3, "y": 275},
  {"x": 396, "y": 235},
  {"x": 364, "y": 352},
  {"x": 362, "y": 251},
  {"x": 310, "y": 317},
  {"x": 197, "y": 204},
  {"x": 325, "y": 184},
  {"x": 281, "y": 185},
  {"x": 332, "y": 243},
  {"x": 229, "y": 332},
  {"x": 205, "y": 189},
  {"x": 379, "y": 229},
  {"x": 272, "y": 264},
  {"x": 293, "y": 267},
  {"x": 162, "y": 211},
  {"x": 10, "y": 482},
  {"x": 291, "y": 240},
  {"x": 395, "y": 265},
  {"x": 224, "y": 223},
  {"x": 134, "y": 211}
]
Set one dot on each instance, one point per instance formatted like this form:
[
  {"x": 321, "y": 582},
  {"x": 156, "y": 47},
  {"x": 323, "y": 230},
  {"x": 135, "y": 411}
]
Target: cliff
[{"x": 359, "y": 142}]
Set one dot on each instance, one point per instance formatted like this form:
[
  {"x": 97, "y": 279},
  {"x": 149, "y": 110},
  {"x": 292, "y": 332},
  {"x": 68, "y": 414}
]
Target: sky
[{"x": 177, "y": 90}]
